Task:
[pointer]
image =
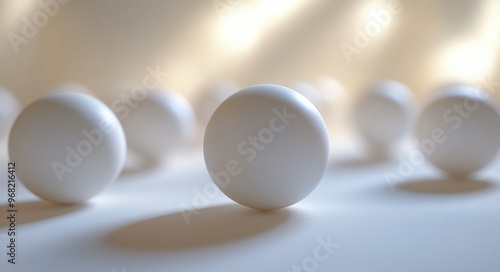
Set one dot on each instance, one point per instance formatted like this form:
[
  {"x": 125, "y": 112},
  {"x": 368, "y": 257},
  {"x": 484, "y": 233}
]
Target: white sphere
[
  {"x": 383, "y": 113},
  {"x": 70, "y": 86},
  {"x": 161, "y": 122},
  {"x": 458, "y": 130},
  {"x": 9, "y": 109},
  {"x": 67, "y": 147},
  {"x": 331, "y": 90},
  {"x": 266, "y": 147}
]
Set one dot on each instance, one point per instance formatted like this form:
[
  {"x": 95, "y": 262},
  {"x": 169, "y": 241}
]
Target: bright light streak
[
  {"x": 278, "y": 8},
  {"x": 242, "y": 28},
  {"x": 474, "y": 56},
  {"x": 467, "y": 61}
]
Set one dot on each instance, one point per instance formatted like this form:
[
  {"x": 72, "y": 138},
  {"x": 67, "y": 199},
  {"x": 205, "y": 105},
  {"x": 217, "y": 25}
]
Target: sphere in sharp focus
[
  {"x": 383, "y": 113},
  {"x": 67, "y": 147},
  {"x": 458, "y": 131},
  {"x": 160, "y": 123},
  {"x": 266, "y": 147},
  {"x": 9, "y": 109}
]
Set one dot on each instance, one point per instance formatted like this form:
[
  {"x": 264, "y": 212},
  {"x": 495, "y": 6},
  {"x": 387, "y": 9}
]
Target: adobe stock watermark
[
  {"x": 76, "y": 154},
  {"x": 226, "y": 8},
  {"x": 32, "y": 24},
  {"x": 454, "y": 118},
  {"x": 364, "y": 35},
  {"x": 248, "y": 149},
  {"x": 324, "y": 249},
  {"x": 122, "y": 107}
]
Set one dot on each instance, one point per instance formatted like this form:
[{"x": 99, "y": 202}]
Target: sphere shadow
[
  {"x": 207, "y": 227},
  {"x": 446, "y": 186},
  {"x": 33, "y": 211}
]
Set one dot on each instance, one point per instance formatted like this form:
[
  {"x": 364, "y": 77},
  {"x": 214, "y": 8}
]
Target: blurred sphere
[
  {"x": 157, "y": 123},
  {"x": 332, "y": 92},
  {"x": 211, "y": 97},
  {"x": 9, "y": 109},
  {"x": 383, "y": 113},
  {"x": 266, "y": 147},
  {"x": 458, "y": 130},
  {"x": 310, "y": 92}
]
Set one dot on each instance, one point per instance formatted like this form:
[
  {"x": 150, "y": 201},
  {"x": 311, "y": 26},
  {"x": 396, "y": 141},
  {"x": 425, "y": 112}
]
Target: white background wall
[{"x": 103, "y": 43}]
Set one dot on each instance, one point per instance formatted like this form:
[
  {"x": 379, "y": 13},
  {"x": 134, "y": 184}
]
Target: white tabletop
[{"x": 353, "y": 221}]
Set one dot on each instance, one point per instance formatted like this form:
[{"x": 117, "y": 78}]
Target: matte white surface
[
  {"x": 459, "y": 130},
  {"x": 383, "y": 113},
  {"x": 68, "y": 147},
  {"x": 310, "y": 92},
  {"x": 333, "y": 97},
  {"x": 266, "y": 147},
  {"x": 426, "y": 224}
]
